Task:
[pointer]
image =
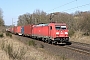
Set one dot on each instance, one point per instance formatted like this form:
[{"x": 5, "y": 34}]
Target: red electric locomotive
[{"x": 51, "y": 33}]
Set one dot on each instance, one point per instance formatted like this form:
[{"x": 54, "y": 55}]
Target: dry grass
[
  {"x": 24, "y": 52},
  {"x": 3, "y": 55},
  {"x": 79, "y": 37}
]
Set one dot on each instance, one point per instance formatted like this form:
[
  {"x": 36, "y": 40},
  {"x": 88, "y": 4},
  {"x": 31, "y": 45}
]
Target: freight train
[{"x": 52, "y": 33}]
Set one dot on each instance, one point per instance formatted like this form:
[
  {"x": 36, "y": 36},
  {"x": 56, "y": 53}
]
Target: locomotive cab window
[
  {"x": 57, "y": 27},
  {"x": 50, "y": 27},
  {"x": 60, "y": 27},
  {"x": 63, "y": 27}
]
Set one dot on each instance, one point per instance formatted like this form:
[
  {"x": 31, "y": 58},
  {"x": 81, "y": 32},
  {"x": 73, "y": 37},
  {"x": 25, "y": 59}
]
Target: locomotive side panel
[
  {"x": 45, "y": 31},
  {"x": 40, "y": 31}
]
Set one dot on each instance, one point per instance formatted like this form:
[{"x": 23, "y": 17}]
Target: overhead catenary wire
[
  {"x": 62, "y": 5},
  {"x": 77, "y": 7}
]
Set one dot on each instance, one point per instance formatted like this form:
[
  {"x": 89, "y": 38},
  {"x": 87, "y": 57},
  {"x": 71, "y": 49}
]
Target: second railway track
[
  {"x": 75, "y": 48},
  {"x": 79, "y": 49}
]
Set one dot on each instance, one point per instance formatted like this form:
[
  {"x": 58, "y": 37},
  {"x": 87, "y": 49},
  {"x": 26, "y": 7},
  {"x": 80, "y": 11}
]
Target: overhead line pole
[{"x": 12, "y": 25}]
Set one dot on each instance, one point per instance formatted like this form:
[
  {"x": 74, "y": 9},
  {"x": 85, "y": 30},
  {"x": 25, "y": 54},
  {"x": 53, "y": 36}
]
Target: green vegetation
[
  {"x": 41, "y": 46},
  {"x": 1, "y": 18},
  {"x": 1, "y": 24},
  {"x": 9, "y": 34},
  {"x": 64, "y": 58},
  {"x": 3, "y": 45},
  {"x": 71, "y": 33},
  {"x": 31, "y": 43},
  {"x": 1, "y": 35},
  {"x": 86, "y": 34}
]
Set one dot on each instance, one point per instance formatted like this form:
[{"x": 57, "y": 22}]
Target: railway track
[
  {"x": 78, "y": 43},
  {"x": 80, "y": 50},
  {"x": 79, "y": 47}
]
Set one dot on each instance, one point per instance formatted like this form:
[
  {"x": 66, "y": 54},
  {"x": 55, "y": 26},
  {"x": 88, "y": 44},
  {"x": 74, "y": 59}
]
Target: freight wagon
[
  {"x": 11, "y": 29},
  {"x": 27, "y": 30},
  {"x": 15, "y": 30},
  {"x": 22, "y": 30},
  {"x": 18, "y": 30}
]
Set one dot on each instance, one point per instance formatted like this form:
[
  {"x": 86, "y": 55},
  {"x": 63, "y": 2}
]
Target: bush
[
  {"x": 32, "y": 43},
  {"x": 1, "y": 35},
  {"x": 2, "y": 45},
  {"x": 9, "y": 50},
  {"x": 41, "y": 46},
  {"x": 86, "y": 34},
  {"x": 71, "y": 33},
  {"x": 9, "y": 34}
]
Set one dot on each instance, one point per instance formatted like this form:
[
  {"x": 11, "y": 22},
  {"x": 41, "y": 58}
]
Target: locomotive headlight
[
  {"x": 57, "y": 32},
  {"x": 66, "y": 32}
]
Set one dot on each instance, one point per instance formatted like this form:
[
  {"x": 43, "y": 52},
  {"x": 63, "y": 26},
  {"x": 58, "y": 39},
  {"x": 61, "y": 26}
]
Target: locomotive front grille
[{"x": 61, "y": 39}]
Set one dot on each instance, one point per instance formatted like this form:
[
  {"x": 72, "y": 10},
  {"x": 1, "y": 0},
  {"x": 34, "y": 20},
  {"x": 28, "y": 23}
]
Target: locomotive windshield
[
  {"x": 63, "y": 27},
  {"x": 60, "y": 27},
  {"x": 57, "y": 27}
]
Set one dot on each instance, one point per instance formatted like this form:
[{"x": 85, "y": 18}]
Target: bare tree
[
  {"x": 76, "y": 21},
  {"x": 1, "y": 18}
]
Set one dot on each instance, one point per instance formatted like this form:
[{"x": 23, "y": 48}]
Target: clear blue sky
[{"x": 14, "y": 8}]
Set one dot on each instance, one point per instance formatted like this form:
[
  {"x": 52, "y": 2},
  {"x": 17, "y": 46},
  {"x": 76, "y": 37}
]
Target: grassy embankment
[
  {"x": 15, "y": 50},
  {"x": 81, "y": 37}
]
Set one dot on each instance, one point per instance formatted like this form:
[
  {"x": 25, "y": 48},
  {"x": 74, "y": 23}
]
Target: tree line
[
  {"x": 78, "y": 21},
  {"x": 1, "y": 18},
  {"x": 75, "y": 21}
]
